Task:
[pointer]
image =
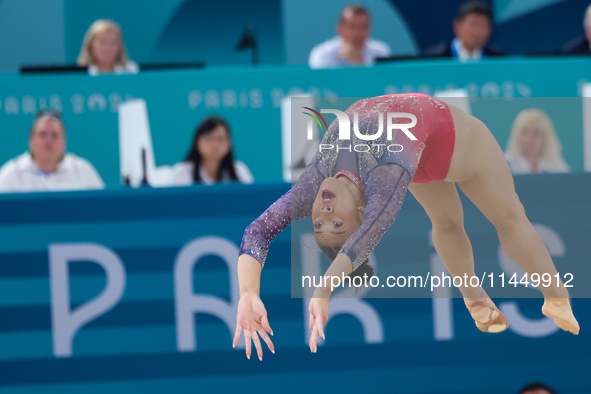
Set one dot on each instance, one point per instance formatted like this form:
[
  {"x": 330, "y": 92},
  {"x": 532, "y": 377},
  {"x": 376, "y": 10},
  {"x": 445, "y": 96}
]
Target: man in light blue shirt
[{"x": 352, "y": 46}]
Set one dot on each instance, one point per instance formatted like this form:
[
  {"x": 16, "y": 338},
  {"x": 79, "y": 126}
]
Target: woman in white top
[
  {"x": 47, "y": 166},
  {"x": 533, "y": 147},
  {"x": 210, "y": 159},
  {"x": 103, "y": 50}
]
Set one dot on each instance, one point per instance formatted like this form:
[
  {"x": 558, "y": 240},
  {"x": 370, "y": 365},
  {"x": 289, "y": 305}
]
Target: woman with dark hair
[
  {"x": 210, "y": 159},
  {"x": 354, "y": 197}
]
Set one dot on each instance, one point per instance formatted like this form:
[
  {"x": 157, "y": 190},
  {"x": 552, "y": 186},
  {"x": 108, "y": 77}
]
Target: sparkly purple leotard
[{"x": 385, "y": 174}]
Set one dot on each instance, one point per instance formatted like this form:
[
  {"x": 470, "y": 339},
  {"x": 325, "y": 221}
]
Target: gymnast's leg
[
  {"x": 481, "y": 171},
  {"x": 443, "y": 206}
]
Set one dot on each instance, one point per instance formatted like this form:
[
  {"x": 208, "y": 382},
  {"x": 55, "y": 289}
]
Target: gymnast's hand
[
  {"x": 318, "y": 317},
  {"x": 318, "y": 308},
  {"x": 252, "y": 318}
]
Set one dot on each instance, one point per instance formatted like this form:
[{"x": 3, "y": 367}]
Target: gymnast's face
[
  {"x": 335, "y": 213},
  {"x": 531, "y": 142}
]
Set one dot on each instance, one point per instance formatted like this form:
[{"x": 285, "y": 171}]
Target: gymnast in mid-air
[{"x": 354, "y": 197}]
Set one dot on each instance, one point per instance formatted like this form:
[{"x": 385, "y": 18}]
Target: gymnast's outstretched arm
[
  {"x": 385, "y": 189},
  {"x": 296, "y": 204}
]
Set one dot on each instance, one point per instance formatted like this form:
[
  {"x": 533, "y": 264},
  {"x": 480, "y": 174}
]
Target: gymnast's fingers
[
  {"x": 247, "y": 339},
  {"x": 314, "y": 340},
  {"x": 257, "y": 345},
  {"x": 265, "y": 323},
  {"x": 267, "y": 340},
  {"x": 237, "y": 335},
  {"x": 320, "y": 328}
]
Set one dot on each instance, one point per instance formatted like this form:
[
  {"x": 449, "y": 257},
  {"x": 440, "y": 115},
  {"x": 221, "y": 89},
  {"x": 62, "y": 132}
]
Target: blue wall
[
  {"x": 32, "y": 32},
  {"x": 182, "y": 30},
  {"x": 51, "y": 32},
  {"x": 132, "y": 347}
]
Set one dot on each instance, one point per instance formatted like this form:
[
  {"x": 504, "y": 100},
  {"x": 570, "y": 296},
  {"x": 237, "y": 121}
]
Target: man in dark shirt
[
  {"x": 580, "y": 45},
  {"x": 472, "y": 27}
]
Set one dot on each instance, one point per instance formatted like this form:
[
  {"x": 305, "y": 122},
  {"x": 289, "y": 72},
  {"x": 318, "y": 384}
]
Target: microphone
[
  {"x": 144, "y": 169},
  {"x": 249, "y": 40}
]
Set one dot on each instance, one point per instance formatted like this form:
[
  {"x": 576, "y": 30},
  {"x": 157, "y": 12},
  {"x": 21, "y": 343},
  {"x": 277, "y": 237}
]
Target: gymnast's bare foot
[
  {"x": 486, "y": 315},
  {"x": 559, "y": 309}
]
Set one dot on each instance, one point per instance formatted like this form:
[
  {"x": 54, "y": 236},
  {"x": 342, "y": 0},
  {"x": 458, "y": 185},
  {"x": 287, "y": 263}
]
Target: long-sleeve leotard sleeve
[
  {"x": 385, "y": 189},
  {"x": 296, "y": 204},
  {"x": 386, "y": 175}
]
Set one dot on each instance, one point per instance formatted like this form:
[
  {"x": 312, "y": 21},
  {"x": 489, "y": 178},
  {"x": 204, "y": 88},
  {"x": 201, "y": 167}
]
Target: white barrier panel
[
  {"x": 135, "y": 138},
  {"x": 457, "y": 97},
  {"x": 297, "y": 152},
  {"x": 587, "y": 125}
]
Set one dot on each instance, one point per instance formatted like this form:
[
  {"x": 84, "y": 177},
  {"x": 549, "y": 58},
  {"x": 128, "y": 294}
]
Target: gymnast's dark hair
[
  {"x": 364, "y": 269},
  {"x": 537, "y": 386},
  {"x": 206, "y": 126}
]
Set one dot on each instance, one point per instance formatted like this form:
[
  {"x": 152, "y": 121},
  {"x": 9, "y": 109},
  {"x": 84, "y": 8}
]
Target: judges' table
[{"x": 250, "y": 99}]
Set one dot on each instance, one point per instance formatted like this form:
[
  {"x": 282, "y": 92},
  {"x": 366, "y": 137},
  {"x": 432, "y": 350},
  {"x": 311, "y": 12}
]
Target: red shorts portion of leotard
[
  {"x": 439, "y": 149},
  {"x": 439, "y": 145}
]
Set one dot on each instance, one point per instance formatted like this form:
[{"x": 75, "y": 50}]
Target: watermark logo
[
  {"x": 310, "y": 131},
  {"x": 344, "y": 123}
]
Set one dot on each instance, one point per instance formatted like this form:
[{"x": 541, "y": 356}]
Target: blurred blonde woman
[
  {"x": 533, "y": 147},
  {"x": 103, "y": 50}
]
